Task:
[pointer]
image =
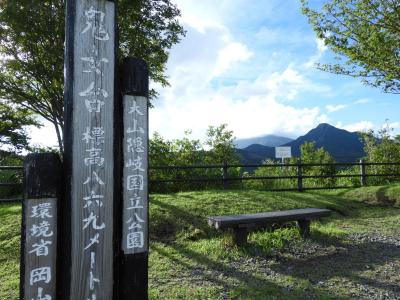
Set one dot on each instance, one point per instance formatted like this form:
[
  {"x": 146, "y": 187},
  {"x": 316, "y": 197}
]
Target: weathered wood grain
[
  {"x": 220, "y": 222},
  {"x": 39, "y": 233},
  {"x": 133, "y": 273},
  {"x": 92, "y": 151}
]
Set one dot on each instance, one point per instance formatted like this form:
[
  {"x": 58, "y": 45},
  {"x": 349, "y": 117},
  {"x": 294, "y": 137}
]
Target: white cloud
[
  {"x": 333, "y": 108},
  {"x": 232, "y": 53},
  {"x": 252, "y": 116},
  {"x": 321, "y": 46},
  {"x": 321, "y": 49},
  {"x": 359, "y": 126},
  {"x": 288, "y": 84}
]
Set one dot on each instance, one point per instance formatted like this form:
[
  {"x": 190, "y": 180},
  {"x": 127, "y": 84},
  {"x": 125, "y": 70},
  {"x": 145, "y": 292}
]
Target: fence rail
[{"x": 225, "y": 180}]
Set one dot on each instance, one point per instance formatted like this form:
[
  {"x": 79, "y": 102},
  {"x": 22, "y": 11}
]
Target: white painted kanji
[
  {"x": 94, "y": 157},
  {"x": 95, "y": 24},
  {"x": 41, "y": 248},
  {"x": 40, "y": 275},
  {"x": 93, "y": 199},
  {"x": 135, "y": 240},
  {"x": 134, "y": 182},
  {"x": 135, "y": 164},
  {"x": 135, "y": 145},
  {"x": 40, "y": 295},
  {"x": 92, "y": 220},
  {"x": 94, "y": 136},
  {"x": 43, "y": 229},
  {"x": 42, "y": 210},
  {"x": 94, "y": 240},
  {"x": 93, "y": 64}
]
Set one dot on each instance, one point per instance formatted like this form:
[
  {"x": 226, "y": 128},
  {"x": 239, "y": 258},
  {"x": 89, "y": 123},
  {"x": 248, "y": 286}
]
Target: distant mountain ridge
[
  {"x": 269, "y": 140},
  {"x": 341, "y": 144}
]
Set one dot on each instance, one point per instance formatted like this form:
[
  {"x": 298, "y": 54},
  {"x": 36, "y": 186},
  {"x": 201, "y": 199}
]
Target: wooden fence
[{"x": 225, "y": 181}]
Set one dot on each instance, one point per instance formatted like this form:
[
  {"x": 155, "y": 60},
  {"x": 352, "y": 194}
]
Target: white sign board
[
  {"x": 135, "y": 188},
  {"x": 40, "y": 248},
  {"x": 283, "y": 152}
]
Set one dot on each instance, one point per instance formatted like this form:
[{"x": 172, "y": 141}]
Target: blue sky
[{"x": 250, "y": 64}]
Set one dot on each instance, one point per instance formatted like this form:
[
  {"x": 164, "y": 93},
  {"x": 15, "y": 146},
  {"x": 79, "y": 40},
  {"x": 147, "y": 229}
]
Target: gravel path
[
  {"x": 363, "y": 265},
  {"x": 360, "y": 266}
]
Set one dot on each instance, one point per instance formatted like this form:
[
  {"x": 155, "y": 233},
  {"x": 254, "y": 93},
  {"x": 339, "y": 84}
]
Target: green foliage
[
  {"x": 218, "y": 148},
  {"x": 380, "y": 147},
  {"x": 364, "y": 35},
  {"x": 32, "y": 49},
  {"x": 221, "y": 142},
  {"x": 13, "y": 135},
  {"x": 309, "y": 155},
  {"x": 272, "y": 169},
  {"x": 10, "y": 176}
]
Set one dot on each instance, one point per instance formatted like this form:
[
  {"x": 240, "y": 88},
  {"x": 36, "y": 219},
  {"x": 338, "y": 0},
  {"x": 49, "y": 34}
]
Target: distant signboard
[{"x": 283, "y": 152}]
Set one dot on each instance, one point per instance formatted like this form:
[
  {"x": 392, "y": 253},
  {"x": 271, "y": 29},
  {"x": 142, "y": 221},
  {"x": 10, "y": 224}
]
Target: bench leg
[
  {"x": 304, "y": 226},
  {"x": 240, "y": 236}
]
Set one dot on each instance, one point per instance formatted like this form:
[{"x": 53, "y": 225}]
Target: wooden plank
[
  {"x": 276, "y": 216},
  {"x": 133, "y": 273},
  {"x": 89, "y": 157},
  {"x": 42, "y": 181},
  {"x": 135, "y": 175}
]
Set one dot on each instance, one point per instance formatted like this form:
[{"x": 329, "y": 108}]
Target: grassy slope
[
  {"x": 10, "y": 222},
  {"x": 189, "y": 260}
]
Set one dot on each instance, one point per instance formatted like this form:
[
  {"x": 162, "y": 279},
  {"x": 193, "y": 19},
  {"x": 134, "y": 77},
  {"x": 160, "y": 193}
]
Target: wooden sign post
[
  {"x": 95, "y": 241},
  {"x": 90, "y": 147},
  {"x": 135, "y": 245},
  {"x": 42, "y": 182}
]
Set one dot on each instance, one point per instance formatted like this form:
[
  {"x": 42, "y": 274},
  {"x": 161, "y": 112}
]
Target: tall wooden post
[
  {"x": 363, "y": 178},
  {"x": 90, "y": 145},
  {"x": 135, "y": 224},
  {"x": 225, "y": 175},
  {"x": 40, "y": 218},
  {"x": 299, "y": 176}
]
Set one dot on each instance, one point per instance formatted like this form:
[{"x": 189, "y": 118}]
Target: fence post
[
  {"x": 299, "y": 176},
  {"x": 40, "y": 223},
  {"x": 225, "y": 175},
  {"x": 363, "y": 177}
]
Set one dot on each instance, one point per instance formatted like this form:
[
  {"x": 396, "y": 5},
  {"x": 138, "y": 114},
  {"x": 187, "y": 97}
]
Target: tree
[
  {"x": 381, "y": 147},
  {"x": 220, "y": 141},
  {"x": 32, "y": 48},
  {"x": 13, "y": 135},
  {"x": 365, "y": 35}
]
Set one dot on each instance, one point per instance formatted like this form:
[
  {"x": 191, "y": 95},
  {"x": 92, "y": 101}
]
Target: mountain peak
[
  {"x": 325, "y": 125},
  {"x": 341, "y": 144}
]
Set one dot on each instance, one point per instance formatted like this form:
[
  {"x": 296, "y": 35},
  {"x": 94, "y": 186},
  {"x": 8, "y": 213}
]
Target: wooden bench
[{"x": 242, "y": 224}]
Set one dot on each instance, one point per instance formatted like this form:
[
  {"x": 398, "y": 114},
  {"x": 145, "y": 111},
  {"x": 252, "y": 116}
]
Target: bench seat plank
[{"x": 231, "y": 221}]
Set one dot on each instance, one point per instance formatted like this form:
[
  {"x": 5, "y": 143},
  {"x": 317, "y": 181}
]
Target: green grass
[
  {"x": 190, "y": 260},
  {"x": 10, "y": 231}
]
